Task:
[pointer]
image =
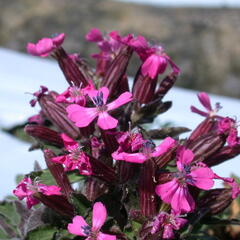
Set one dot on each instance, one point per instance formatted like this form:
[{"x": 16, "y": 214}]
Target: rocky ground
[{"x": 205, "y": 43}]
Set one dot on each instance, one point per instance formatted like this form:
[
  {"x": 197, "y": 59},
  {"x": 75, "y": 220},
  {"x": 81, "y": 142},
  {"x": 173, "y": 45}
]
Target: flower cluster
[{"x": 96, "y": 129}]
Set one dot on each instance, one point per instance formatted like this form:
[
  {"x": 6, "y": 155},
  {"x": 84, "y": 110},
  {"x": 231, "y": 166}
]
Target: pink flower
[
  {"x": 175, "y": 192},
  {"x": 167, "y": 222},
  {"x": 228, "y": 126},
  {"x": 26, "y": 189},
  {"x": 232, "y": 183},
  {"x": 76, "y": 158},
  {"x": 156, "y": 63},
  {"x": 38, "y": 118},
  {"x": 205, "y": 101},
  {"x": 148, "y": 151},
  {"x": 45, "y": 46},
  {"x": 94, "y": 35},
  {"x": 75, "y": 95},
  {"x": 83, "y": 116},
  {"x": 79, "y": 226}
]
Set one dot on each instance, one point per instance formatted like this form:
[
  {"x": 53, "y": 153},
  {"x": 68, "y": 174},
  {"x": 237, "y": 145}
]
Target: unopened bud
[
  {"x": 224, "y": 154},
  {"x": 206, "y": 145},
  {"x": 57, "y": 114},
  {"x": 117, "y": 69},
  {"x": 58, "y": 173},
  {"x": 144, "y": 87},
  {"x": 70, "y": 69},
  {"x": 44, "y": 134},
  {"x": 148, "y": 201},
  {"x": 216, "y": 200}
]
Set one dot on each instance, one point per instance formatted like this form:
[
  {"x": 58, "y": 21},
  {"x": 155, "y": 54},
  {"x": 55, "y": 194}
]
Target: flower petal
[
  {"x": 80, "y": 115},
  {"x": 150, "y": 66},
  {"x": 205, "y": 100},
  {"x": 184, "y": 157},
  {"x": 103, "y": 236},
  {"x": 129, "y": 157},
  {"x": 122, "y": 99},
  {"x": 77, "y": 227},
  {"x": 165, "y": 145},
  {"x": 167, "y": 190},
  {"x": 196, "y": 110},
  {"x": 182, "y": 200},
  {"x": 202, "y": 178},
  {"x": 94, "y": 35},
  {"x": 105, "y": 121},
  {"x": 99, "y": 216}
]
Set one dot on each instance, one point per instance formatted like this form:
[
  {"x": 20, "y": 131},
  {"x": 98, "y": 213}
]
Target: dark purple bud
[
  {"x": 224, "y": 154},
  {"x": 206, "y": 126},
  {"x": 125, "y": 170},
  {"x": 57, "y": 114},
  {"x": 216, "y": 200},
  {"x": 206, "y": 145},
  {"x": 148, "y": 201},
  {"x": 94, "y": 188},
  {"x": 70, "y": 69},
  {"x": 109, "y": 140},
  {"x": 117, "y": 69},
  {"x": 144, "y": 87},
  {"x": 58, "y": 203},
  {"x": 44, "y": 134},
  {"x": 102, "y": 171},
  {"x": 165, "y": 158},
  {"x": 58, "y": 173},
  {"x": 165, "y": 85}
]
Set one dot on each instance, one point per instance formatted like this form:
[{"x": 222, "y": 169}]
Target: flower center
[{"x": 86, "y": 230}]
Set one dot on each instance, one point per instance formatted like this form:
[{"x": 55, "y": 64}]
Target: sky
[{"x": 206, "y": 3}]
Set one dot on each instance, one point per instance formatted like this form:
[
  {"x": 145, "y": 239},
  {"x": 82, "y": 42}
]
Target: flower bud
[
  {"x": 224, "y": 154},
  {"x": 70, "y": 69},
  {"x": 165, "y": 85},
  {"x": 144, "y": 87},
  {"x": 58, "y": 173},
  {"x": 58, "y": 203},
  {"x": 148, "y": 201},
  {"x": 216, "y": 200},
  {"x": 206, "y": 126},
  {"x": 117, "y": 69},
  {"x": 57, "y": 114},
  {"x": 206, "y": 145},
  {"x": 44, "y": 134}
]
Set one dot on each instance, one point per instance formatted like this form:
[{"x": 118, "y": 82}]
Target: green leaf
[
  {"x": 8, "y": 211},
  {"x": 43, "y": 233},
  {"x": 80, "y": 203},
  {"x": 49, "y": 233},
  {"x": 75, "y": 177}
]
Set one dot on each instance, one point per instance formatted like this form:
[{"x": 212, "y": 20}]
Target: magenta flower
[
  {"x": 75, "y": 159},
  {"x": 205, "y": 101},
  {"x": 167, "y": 222},
  {"x": 156, "y": 63},
  {"x": 175, "y": 192},
  {"x": 83, "y": 116},
  {"x": 79, "y": 226},
  {"x": 148, "y": 151},
  {"x": 45, "y": 46},
  {"x": 232, "y": 183},
  {"x": 229, "y": 126},
  {"x": 26, "y": 189},
  {"x": 75, "y": 95}
]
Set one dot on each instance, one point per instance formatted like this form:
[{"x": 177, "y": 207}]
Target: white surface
[
  {"x": 188, "y": 3},
  {"x": 20, "y": 73}
]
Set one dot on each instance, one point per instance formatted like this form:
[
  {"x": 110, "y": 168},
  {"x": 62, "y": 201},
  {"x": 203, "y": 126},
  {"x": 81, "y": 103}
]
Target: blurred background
[{"x": 202, "y": 36}]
